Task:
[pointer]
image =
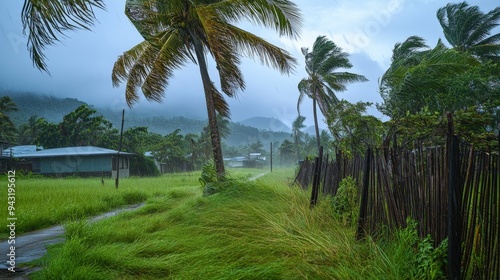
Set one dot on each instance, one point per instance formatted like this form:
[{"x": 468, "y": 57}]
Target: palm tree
[
  {"x": 179, "y": 31},
  {"x": 322, "y": 81},
  {"x": 466, "y": 28},
  {"x": 7, "y": 127},
  {"x": 297, "y": 126},
  {"x": 45, "y": 21}
]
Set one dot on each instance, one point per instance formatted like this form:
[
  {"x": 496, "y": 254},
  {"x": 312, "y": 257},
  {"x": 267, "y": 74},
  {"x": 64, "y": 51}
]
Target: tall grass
[
  {"x": 42, "y": 202},
  {"x": 248, "y": 230}
]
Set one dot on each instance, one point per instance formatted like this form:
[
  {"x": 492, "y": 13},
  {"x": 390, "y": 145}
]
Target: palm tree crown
[
  {"x": 323, "y": 80},
  {"x": 466, "y": 28}
]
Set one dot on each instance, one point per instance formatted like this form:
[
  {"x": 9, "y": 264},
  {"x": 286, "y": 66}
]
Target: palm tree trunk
[
  {"x": 296, "y": 138},
  {"x": 212, "y": 117},
  {"x": 316, "y": 127}
]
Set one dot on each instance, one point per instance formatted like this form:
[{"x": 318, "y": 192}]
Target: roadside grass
[{"x": 262, "y": 229}]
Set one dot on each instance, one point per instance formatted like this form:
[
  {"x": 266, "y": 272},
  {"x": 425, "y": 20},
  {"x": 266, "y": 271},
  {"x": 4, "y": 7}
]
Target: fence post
[
  {"x": 454, "y": 202},
  {"x": 360, "y": 231},
  {"x": 316, "y": 178}
]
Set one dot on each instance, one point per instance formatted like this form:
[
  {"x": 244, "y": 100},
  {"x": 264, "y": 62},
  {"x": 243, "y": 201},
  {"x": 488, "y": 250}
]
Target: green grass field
[
  {"x": 43, "y": 202},
  {"x": 261, "y": 229}
]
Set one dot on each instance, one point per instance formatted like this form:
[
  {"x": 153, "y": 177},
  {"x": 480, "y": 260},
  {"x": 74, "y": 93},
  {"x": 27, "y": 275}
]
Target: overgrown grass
[
  {"x": 43, "y": 202},
  {"x": 248, "y": 230}
]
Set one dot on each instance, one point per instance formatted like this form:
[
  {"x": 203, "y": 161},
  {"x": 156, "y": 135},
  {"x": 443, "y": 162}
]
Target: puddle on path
[{"x": 31, "y": 246}]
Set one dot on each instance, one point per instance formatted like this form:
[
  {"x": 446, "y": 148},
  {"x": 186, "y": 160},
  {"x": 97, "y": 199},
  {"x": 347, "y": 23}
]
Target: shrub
[
  {"x": 425, "y": 261},
  {"x": 345, "y": 202},
  {"x": 141, "y": 165},
  {"x": 208, "y": 179}
]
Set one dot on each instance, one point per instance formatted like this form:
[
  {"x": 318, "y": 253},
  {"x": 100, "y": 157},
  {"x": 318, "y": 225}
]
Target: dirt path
[
  {"x": 32, "y": 245},
  {"x": 258, "y": 176}
]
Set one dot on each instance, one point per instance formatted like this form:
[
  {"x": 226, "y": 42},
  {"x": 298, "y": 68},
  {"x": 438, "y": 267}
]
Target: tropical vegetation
[{"x": 424, "y": 83}]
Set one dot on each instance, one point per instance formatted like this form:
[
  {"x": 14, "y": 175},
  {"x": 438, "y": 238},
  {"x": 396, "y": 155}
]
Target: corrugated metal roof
[{"x": 71, "y": 151}]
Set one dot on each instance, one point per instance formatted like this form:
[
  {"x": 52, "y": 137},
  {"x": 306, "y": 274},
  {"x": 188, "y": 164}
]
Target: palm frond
[
  {"x": 171, "y": 56},
  {"x": 126, "y": 61},
  {"x": 46, "y": 21},
  {"x": 338, "y": 80},
  {"x": 220, "y": 103},
  {"x": 282, "y": 15},
  {"x": 304, "y": 90},
  {"x": 253, "y": 46}
]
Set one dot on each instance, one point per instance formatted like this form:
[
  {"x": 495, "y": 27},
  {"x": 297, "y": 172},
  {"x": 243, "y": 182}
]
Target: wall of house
[
  {"x": 124, "y": 167},
  {"x": 73, "y": 164}
]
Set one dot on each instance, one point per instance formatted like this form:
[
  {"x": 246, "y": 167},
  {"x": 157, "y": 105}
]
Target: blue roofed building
[{"x": 83, "y": 161}]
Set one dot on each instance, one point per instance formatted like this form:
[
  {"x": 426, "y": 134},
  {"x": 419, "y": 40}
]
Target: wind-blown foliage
[
  {"x": 466, "y": 28},
  {"x": 180, "y": 31},
  {"x": 7, "y": 128},
  {"x": 46, "y": 21},
  {"x": 423, "y": 83},
  {"x": 323, "y": 80},
  {"x": 297, "y": 126},
  {"x": 420, "y": 77},
  {"x": 78, "y": 128},
  {"x": 352, "y": 129}
]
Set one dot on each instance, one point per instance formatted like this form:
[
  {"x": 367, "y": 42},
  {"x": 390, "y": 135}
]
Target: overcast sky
[{"x": 80, "y": 66}]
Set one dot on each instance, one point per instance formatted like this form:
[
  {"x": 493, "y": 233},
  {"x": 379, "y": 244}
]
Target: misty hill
[
  {"x": 43, "y": 106},
  {"x": 264, "y": 123},
  {"x": 54, "y": 108}
]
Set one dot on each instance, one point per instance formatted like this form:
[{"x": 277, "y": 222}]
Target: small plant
[
  {"x": 426, "y": 261},
  {"x": 430, "y": 260},
  {"x": 208, "y": 178},
  {"x": 345, "y": 202}
]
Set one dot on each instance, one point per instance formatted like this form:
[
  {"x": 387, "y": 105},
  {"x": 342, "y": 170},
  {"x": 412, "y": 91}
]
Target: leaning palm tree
[
  {"x": 466, "y": 28},
  {"x": 46, "y": 21},
  {"x": 179, "y": 31},
  {"x": 323, "y": 81}
]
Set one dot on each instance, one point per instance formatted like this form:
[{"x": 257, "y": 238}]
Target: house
[
  {"x": 84, "y": 161},
  {"x": 235, "y": 161}
]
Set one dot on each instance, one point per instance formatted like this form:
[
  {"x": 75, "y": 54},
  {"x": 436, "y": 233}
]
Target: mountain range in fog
[{"x": 53, "y": 109}]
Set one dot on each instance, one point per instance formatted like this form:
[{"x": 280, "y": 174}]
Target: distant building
[
  {"x": 84, "y": 161},
  {"x": 252, "y": 160},
  {"x": 235, "y": 161}
]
